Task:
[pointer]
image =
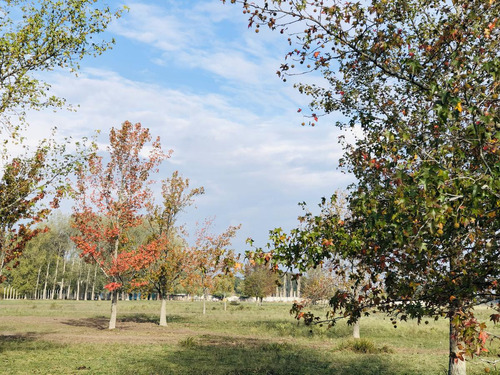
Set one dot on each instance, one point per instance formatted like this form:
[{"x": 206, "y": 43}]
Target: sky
[{"x": 196, "y": 75}]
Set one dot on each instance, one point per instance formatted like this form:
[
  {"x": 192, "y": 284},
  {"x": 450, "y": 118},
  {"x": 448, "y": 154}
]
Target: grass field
[{"x": 71, "y": 337}]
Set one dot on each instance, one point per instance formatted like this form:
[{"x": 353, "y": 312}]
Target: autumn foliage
[
  {"x": 31, "y": 186},
  {"x": 110, "y": 202}
]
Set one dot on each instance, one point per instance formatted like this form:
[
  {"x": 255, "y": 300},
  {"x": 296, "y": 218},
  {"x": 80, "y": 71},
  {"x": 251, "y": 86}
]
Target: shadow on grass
[
  {"x": 287, "y": 328},
  {"x": 151, "y": 318},
  {"x": 25, "y": 342},
  {"x": 215, "y": 355},
  {"x": 102, "y": 323},
  {"x": 99, "y": 323}
]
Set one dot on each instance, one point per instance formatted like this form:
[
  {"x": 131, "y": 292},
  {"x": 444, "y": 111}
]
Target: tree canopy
[
  {"x": 42, "y": 35},
  {"x": 110, "y": 201},
  {"x": 420, "y": 79}
]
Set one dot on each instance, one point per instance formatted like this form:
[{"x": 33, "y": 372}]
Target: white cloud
[{"x": 249, "y": 165}]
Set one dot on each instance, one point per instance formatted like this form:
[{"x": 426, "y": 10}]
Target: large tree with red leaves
[{"x": 110, "y": 203}]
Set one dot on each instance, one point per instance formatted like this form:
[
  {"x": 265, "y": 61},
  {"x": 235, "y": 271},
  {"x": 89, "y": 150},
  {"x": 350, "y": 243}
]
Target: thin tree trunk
[
  {"x": 204, "y": 302},
  {"x": 38, "y": 281},
  {"x": 53, "y": 294},
  {"x": 298, "y": 287},
  {"x": 284, "y": 286},
  {"x": 68, "y": 292},
  {"x": 114, "y": 303},
  {"x": 355, "y": 330},
  {"x": 78, "y": 281},
  {"x": 93, "y": 283},
  {"x": 62, "y": 280},
  {"x": 85, "y": 297},
  {"x": 163, "y": 311},
  {"x": 44, "y": 294},
  {"x": 455, "y": 366}
]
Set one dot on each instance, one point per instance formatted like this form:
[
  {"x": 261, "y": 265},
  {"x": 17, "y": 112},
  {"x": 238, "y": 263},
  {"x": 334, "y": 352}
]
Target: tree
[
  {"x": 110, "y": 201},
  {"x": 319, "y": 285},
  {"x": 324, "y": 242},
  {"x": 259, "y": 281},
  {"x": 224, "y": 285},
  {"x": 170, "y": 265},
  {"x": 26, "y": 184},
  {"x": 212, "y": 257},
  {"x": 420, "y": 78},
  {"x": 42, "y": 35},
  {"x": 37, "y": 36}
]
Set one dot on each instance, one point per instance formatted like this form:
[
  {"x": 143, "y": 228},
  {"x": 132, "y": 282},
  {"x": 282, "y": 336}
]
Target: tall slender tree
[
  {"x": 174, "y": 254},
  {"x": 212, "y": 256},
  {"x": 111, "y": 200}
]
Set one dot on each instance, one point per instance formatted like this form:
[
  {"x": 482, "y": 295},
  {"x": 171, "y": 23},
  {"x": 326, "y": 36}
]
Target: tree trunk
[
  {"x": 455, "y": 366},
  {"x": 298, "y": 287},
  {"x": 163, "y": 311},
  {"x": 78, "y": 281},
  {"x": 355, "y": 330},
  {"x": 85, "y": 297},
  {"x": 114, "y": 302},
  {"x": 62, "y": 279},
  {"x": 38, "y": 281},
  {"x": 44, "y": 294},
  {"x": 285, "y": 286},
  {"x": 92, "y": 294},
  {"x": 53, "y": 294},
  {"x": 204, "y": 302}
]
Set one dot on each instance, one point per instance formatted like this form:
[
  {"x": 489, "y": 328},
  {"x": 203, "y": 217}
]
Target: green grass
[{"x": 70, "y": 337}]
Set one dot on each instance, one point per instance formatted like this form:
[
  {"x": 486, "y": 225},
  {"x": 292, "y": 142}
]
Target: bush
[{"x": 363, "y": 346}]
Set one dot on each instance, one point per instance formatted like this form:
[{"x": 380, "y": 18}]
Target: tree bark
[
  {"x": 92, "y": 294},
  {"x": 204, "y": 302},
  {"x": 38, "y": 281},
  {"x": 285, "y": 291},
  {"x": 455, "y": 366},
  {"x": 78, "y": 281},
  {"x": 61, "y": 291},
  {"x": 85, "y": 297},
  {"x": 163, "y": 311},
  {"x": 355, "y": 330},
  {"x": 53, "y": 294},
  {"x": 114, "y": 303}
]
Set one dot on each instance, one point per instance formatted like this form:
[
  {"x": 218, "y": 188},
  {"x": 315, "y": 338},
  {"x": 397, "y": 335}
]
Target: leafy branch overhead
[
  {"x": 42, "y": 35},
  {"x": 420, "y": 80}
]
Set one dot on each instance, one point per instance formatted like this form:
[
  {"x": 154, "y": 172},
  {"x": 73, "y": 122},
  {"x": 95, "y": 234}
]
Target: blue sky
[{"x": 193, "y": 73}]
